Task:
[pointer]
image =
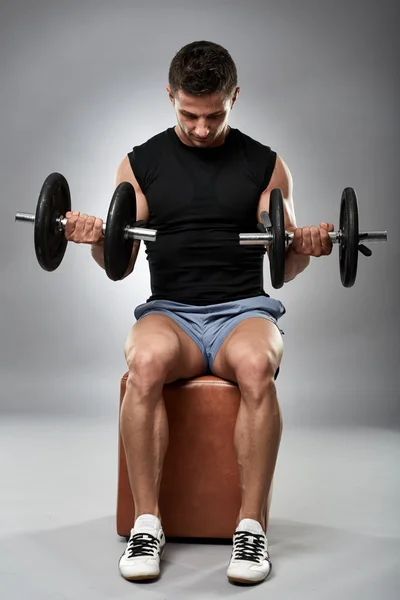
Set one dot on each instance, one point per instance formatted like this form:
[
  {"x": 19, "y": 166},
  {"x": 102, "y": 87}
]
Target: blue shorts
[{"x": 209, "y": 325}]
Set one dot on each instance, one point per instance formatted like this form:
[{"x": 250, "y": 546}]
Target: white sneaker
[
  {"x": 141, "y": 559},
  {"x": 250, "y": 561}
]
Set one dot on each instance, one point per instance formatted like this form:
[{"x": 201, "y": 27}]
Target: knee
[
  {"x": 149, "y": 365},
  {"x": 256, "y": 380},
  {"x": 255, "y": 372}
]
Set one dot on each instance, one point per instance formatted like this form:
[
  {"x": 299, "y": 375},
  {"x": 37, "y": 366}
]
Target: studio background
[{"x": 83, "y": 82}]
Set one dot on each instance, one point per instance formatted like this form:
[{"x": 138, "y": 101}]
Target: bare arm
[
  {"x": 282, "y": 179},
  {"x": 125, "y": 173}
]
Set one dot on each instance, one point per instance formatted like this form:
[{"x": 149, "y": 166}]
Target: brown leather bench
[{"x": 200, "y": 488}]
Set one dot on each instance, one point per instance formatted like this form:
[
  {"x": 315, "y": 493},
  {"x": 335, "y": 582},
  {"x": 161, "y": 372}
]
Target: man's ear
[
  {"x": 170, "y": 94},
  {"x": 235, "y": 96}
]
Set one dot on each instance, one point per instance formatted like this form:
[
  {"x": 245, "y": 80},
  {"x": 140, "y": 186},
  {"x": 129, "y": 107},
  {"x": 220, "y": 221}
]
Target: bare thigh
[
  {"x": 252, "y": 348},
  {"x": 158, "y": 341}
]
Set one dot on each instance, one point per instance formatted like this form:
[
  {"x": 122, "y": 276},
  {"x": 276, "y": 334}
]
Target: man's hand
[
  {"x": 312, "y": 241},
  {"x": 83, "y": 229}
]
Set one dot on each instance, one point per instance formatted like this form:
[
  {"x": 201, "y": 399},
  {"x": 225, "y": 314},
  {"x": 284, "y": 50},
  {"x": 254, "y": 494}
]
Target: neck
[{"x": 219, "y": 141}]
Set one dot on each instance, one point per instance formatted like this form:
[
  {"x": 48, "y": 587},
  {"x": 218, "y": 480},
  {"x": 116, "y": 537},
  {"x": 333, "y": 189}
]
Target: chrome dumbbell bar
[
  {"x": 336, "y": 237},
  {"x": 135, "y": 233}
]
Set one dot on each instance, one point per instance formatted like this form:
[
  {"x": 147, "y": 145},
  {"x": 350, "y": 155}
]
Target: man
[{"x": 199, "y": 184}]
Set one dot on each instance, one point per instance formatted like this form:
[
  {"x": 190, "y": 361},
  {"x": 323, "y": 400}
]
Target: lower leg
[
  {"x": 144, "y": 431},
  {"x": 268, "y": 495},
  {"x": 257, "y": 437}
]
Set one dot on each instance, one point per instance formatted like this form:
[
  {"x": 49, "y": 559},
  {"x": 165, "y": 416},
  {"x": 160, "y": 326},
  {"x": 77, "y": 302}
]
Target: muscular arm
[
  {"x": 125, "y": 173},
  {"x": 282, "y": 179}
]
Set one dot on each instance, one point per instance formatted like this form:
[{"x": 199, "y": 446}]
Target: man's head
[{"x": 203, "y": 89}]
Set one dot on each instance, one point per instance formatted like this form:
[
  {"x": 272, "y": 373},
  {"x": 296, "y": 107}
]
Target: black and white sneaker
[
  {"x": 141, "y": 559},
  {"x": 250, "y": 561}
]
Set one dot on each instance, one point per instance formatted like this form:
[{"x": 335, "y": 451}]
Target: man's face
[{"x": 202, "y": 120}]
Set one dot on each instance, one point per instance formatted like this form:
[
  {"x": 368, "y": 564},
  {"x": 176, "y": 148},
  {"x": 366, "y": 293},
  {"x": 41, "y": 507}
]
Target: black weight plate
[
  {"x": 54, "y": 201},
  {"x": 118, "y": 249},
  {"x": 277, "y": 250},
  {"x": 348, "y": 247}
]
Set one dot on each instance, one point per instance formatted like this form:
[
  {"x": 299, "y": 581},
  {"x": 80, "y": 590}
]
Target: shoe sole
[
  {"x": 247, "y": 581},
  {"x": 142, "y": 577}
]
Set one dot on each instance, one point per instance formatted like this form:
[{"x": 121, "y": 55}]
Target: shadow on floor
[{"x": 311, "y": 561}]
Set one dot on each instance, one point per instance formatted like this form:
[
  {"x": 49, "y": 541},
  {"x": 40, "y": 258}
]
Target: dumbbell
[
  {"x": 348, "y": 237},
  {"x": 120, "y": 229}
]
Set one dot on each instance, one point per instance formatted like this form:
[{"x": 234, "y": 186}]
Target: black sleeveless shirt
[{"x": 199, "y": 200}]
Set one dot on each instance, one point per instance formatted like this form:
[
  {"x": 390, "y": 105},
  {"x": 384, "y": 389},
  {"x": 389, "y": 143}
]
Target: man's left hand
[{"x": 312, "y": 240}]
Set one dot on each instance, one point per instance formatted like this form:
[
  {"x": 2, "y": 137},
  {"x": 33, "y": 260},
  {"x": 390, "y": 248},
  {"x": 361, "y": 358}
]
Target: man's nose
[{"x": 202, "y": 130}]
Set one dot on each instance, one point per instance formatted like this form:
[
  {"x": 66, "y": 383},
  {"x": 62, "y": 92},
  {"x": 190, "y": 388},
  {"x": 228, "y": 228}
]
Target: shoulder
[
  {"x": 143, "y": 156},
  {"x": 251, "y": 142},
  {"x": 155, "y": 141},
  {"x": 260, "y": 158},
  {"x": 133, "y": 160},
  {"x": 281, "y": 175}
]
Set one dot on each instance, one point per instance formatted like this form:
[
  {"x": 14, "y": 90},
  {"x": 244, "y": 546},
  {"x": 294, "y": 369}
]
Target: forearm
[
  {"x": 295, "y": 264},
  {"x": 98, "y": 255}
]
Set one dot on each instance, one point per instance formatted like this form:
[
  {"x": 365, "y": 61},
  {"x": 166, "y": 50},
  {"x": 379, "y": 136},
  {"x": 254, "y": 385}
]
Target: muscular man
[{"x": 199, "y": 184}]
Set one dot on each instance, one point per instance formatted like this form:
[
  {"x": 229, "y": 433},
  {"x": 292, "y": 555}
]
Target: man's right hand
[{"x": 83, "y": 229}]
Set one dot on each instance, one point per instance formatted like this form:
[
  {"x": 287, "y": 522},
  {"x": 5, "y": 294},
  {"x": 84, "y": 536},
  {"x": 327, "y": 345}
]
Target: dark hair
[{"x": 202, "y": 68}]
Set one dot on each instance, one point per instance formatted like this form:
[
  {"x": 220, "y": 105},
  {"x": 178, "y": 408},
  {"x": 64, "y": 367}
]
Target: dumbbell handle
[
  {"x": 336, "y": 236},
  {"x": 137, "y": 233}
]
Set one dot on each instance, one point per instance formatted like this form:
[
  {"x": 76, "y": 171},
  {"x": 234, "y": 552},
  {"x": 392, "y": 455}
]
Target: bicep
[
  {"x": 281, "y": 178},
  {"x": 124, "y": 173}
]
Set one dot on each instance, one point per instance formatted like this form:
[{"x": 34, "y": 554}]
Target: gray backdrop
[{"x": 83, "y": 81}]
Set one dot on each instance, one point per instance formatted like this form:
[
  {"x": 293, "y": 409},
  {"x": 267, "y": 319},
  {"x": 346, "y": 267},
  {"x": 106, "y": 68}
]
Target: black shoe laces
[
  {"x": 249, "y": 546},
  {"x": 141, "y": 544}
]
